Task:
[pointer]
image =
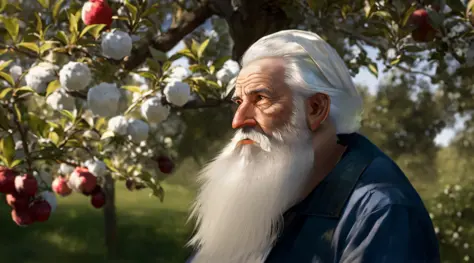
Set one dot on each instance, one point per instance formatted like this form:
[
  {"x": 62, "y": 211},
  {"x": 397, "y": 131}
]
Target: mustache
[{"x": 250, "y": 133}]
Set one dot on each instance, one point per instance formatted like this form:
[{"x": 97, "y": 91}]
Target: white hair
[{"x": 313, "y": 66}]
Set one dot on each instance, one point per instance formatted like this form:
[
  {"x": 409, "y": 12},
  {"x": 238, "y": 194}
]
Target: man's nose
[{"x": 244, "y": 117}]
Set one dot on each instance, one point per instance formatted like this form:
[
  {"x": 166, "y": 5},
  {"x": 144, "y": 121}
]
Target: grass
[{"x": 148, "y": 231}]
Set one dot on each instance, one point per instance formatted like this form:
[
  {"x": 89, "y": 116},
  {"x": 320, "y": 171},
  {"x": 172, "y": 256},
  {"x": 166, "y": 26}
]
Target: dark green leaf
[
  {"x": 151, "y": 10},
  {"x": 31, "y": 46},
  {"x": 4, "y": 119},
  {"x": 158, "y": 54},
  {"x": 61, "y": 35},
  {"x": 220, "y": 62},
  {"x": 56, "y": 9},
  {"x": 407, "y": 14},
  {"x": 132, "y": 10},
  {"x": 383, "y": 14}
]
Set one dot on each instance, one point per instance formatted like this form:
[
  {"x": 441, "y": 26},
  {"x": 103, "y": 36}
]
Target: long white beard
[{"x": 246, "y": 190}]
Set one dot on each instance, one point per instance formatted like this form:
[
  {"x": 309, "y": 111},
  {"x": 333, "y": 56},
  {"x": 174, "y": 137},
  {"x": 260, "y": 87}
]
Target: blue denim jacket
[{"x": 364, "y": 211}]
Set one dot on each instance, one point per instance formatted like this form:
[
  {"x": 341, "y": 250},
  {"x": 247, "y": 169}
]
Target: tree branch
[{"x": 166, "y": 41}]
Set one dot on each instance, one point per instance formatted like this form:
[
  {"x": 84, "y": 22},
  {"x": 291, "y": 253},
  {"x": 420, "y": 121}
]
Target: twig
[
  {"x": 24, "y": 139},
  {"x": 166, "y": 41},
  {"x": 407, "y": 70}
]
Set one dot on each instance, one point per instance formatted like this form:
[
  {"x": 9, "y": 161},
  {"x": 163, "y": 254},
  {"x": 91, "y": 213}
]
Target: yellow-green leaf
[
  {"x": 383, "y": 14},
  {"x": 8, "y": 78},
  {"x": 8, "y": 148},
  {"x": 44, "y": 3},
  {"x": 47, "y": 46},
  {"x": 202, "y": 48},
  {"x": 5, "y": 64},
  {"x": 30, "y": 45},
  {"x": 158, "y": 55},
  {"x": 374, "y": 70},
  {"x": 132, "y": 10},
  {"x": 39, "y": 25},
  {"x": 134, "y": 89},
  {"x": 12, "y": 26},
  {"x": 3, "y": 4},
  {"x": 3, "y": 51},
  {"x": 470, "y": 8},
  {"x": 187, "y": 53},
  {"x": 73, "y": 22},
  {"x": 5, "y": 92},
  {"x": 16, "y": 163},
  {"x": 107, "y": 134},
  {"x": 194, "y": 47},
  {"x": 94, "y": 30},
  {"x": 56, "y": 9},
  {"x": 52, "y": 86},
  {"x": 54, "y": 137},
  {"x": 408, "y": 13},
  {"x": 61, "y": 35}
]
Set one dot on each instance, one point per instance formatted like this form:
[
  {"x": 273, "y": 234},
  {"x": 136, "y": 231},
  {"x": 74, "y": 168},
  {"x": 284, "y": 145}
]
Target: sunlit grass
[{"x": 148, "y": 231}]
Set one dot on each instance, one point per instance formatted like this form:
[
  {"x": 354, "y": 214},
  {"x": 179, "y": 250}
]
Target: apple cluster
[
  {"x": 22, "y": 196},
  {"x": 81, "y": 181}
]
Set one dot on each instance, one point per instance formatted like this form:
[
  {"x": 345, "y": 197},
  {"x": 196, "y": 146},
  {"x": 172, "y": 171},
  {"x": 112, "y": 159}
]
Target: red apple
[
  {"x": 22, "y": 217},
  {"x": 7, "y": 180},
  {"x": 98, "y": 199},
  {"x": 17, "y": 201},
  {"x": 96, "y": 189},
  {"x": 165, "y": 164},
  {"x": 40, "y": 210},
  {"x": 61, "y": 187},
  {"x": 97, "y": 12},
  {"x": 423, "y": 32},
  {"x": 86, "y": 181},
  {"x": 26, "y": 185}
]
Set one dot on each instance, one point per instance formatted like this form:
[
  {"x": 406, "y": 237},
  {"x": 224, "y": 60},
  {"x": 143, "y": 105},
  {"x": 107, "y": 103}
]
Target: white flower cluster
[
  {"x": 96, "y": 167},
  {"x": 40, "y": 76},
  {"x": 135, "y": 129},
  {"x": 116, "y": 44},
  {"x": 229, "y": 71},
  {"x": 60, "y": 100},
  {"x": 103, "y": 99},
  {"x": 75, "y": 76},
  {"x": 154, "y": 111},
  {"x": 177, "y": 92}
]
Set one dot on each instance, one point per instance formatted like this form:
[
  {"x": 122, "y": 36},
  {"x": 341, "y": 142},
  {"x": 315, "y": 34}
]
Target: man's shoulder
[{"x": 381, "y": 185}]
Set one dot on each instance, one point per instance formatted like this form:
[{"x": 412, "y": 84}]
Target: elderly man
[{"x": 297, "y": 183}]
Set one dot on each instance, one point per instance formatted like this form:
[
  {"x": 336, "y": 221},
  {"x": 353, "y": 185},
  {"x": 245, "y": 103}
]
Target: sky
[{"x": 363, "y": 77}]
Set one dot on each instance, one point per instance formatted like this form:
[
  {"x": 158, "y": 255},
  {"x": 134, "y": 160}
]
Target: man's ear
[{"x": 317, "y": 110}]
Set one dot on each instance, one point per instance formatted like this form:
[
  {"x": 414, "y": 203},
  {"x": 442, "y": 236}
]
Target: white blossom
[
  {"x": 177, "y": 92},
  {"x": 233, "y": 66},
  {"x": 103, "y": 99},
  {"x": 118, "y": 125},
  {"x": 50, "y": 197},
  {"x": 75, "y": 76},
  {"x": 137, "y": 130},
  {"x": 60, "y": 100},
  {"x": 65, "y": 169},
  {"x": 16, "y": 71},
  {"x": 116, "y": 44},
  {"x": 39, "y": 76},
  {"x": 229, "y": 71},
  {"x": 179, "y": 73},
  {"x": 96, "y": 167},
  {"x": 154, "y": 111}
]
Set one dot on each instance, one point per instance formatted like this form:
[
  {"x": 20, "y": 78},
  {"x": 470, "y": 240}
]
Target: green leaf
[
  {"x": 194, "y": 47},
  {"x": 198, "y": 67},
  {"x": 213, "y": 84},
  {"x": 44, "y": 3},
  {"x": 220, "y": 62},
  {"x": 147, "y": 75},
  {"x": 53, "y": 86},
  {"x": 435, "y": 19},
  {"x": 8, "y": 149},
  {"x": 36, "y": 124},
  {"x": 16, "y": 163},
  {"x": 151, "y": 10},
  {"x": 39, "y": 25},
  {"x": 413, "y": 48},
  {"x": 25, "y": 89},
  {"x": 3, "y": 4},
  {"x": 5, "y": 92},
  {"x": 407, "y": 14},
  {"x": 61, "y": 36},
  {"x": 3, "y": 51},
  {"x": 202, "y": 48},
  {"x": 12, "y": 26},
  {"x": 383, "y": 14},
  {"x": 8, "y": 78},
  {"x": 47, "y": 46},
  {"x": 158, "y": 54},
  {"x": 160, "y": 193},
  {"x": 395, "y": 61},
  {"x": 187, "y": 53},
  {"x": 74, "y": 22},
  {"x": 470, "y": 8},
  {"x": 54, "y": 137},
  {"x": 31, "y": 46},
  {"x": 56, "y": 9},
  {"x": 4, "y": 119},
  {"x": 94, "y": 30},
  {"x": 109, "y": 165},
  {"x": 5, "y": 64},
  {"x": 134, "y": 89},
  {"x": 67, "y": 114},
  {"x": 107, "y": 134},
  {"x": 374, "y": 70},
  {"x": 132, "y": 10}
]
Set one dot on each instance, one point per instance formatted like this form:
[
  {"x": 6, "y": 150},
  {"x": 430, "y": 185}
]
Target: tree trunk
[
  {"x": 249, "y": 20},
  {"x": 110, "y": 218}
]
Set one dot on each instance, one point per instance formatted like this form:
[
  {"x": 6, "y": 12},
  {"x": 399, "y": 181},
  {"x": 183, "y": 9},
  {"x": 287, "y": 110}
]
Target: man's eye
[
  {"x": 260, "y": 97},
  {"x": 238, "y": 101}
]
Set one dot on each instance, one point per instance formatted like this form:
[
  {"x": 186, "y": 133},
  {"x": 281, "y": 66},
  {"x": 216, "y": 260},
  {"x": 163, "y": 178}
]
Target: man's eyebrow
[{"x": 265, "y": 91}]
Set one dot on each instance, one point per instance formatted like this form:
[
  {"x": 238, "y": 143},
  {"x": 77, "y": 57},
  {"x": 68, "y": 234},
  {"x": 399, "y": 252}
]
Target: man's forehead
[{"x": 262, "y": 72}]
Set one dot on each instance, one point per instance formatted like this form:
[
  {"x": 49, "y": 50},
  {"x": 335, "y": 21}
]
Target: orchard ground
[{"x": 148, "y": 231}]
